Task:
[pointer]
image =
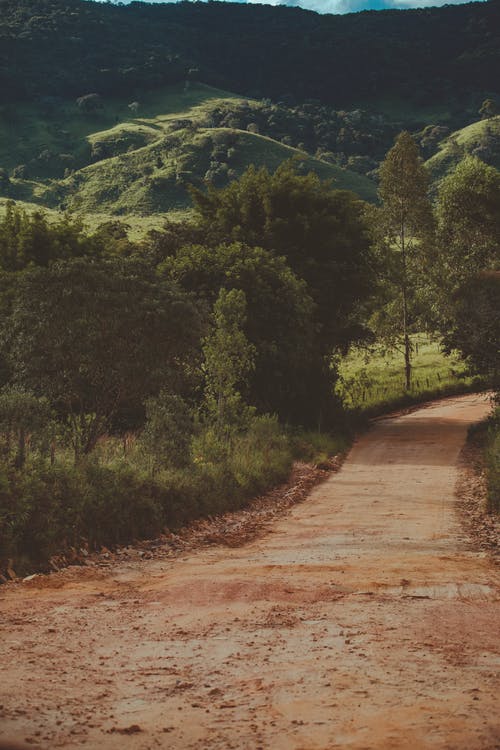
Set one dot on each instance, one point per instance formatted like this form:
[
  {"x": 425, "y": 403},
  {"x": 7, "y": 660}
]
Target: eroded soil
[{"x": 362, "y": 619}]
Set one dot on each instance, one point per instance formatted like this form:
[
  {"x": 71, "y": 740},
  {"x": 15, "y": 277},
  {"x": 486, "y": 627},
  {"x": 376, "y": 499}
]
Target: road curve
[{"x": 362, "y": 620}]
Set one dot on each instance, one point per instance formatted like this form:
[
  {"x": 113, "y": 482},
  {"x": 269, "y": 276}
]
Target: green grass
[
  {"x": 28, "y": 129},
  {"x": 153, "y": 178},
  {"x": 468, "y": 139},
  {"x": 112, "y": 498},
  {"x": 137, "y": 164},
  {"x": 372, "y": 381}
]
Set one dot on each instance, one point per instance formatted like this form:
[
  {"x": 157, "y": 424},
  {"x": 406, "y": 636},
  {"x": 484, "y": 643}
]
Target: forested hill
[{"x": 72, "y": 47}]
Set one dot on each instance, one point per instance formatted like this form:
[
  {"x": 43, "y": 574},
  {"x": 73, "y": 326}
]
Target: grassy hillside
[
  {"x": 481, "y": 139},
  {"x": 136, "y": 161}
]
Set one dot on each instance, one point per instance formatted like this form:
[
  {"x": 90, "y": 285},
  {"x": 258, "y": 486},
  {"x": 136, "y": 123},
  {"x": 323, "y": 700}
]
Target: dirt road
[{"x": 361, "y": 620}]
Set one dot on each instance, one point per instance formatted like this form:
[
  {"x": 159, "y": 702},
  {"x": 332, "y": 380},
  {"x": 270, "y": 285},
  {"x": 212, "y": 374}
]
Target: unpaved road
[{"x": 361, "y": 620}]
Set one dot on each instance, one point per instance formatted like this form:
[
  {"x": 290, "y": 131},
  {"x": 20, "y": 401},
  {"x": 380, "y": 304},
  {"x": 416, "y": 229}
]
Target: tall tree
[{"x": 405, "y": 222}]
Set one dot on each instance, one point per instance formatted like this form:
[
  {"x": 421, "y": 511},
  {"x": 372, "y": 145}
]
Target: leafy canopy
[{"x": 319, "y": 231}]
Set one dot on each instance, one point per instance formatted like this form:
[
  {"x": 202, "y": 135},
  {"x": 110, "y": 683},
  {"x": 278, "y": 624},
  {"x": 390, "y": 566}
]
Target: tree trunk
[
  {"x": 406, "y": 337},
  {"x": 407, "y": 362}
]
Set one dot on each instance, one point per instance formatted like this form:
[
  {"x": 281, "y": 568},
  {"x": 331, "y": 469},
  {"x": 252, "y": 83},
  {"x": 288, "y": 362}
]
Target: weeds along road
[{"x": 361, "y": 620}]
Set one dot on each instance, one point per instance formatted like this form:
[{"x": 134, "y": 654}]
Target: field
[{"x": 372, "y": 381}]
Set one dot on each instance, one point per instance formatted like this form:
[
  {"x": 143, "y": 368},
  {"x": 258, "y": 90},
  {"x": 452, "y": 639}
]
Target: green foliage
[
  {"x": 97, "y": 337},
  {"x": 47, "y": 510},
  {"x": 228, "y": 360},
  {"x": 167, "y": 433},
  {"x": 492, "y": 457},
  {"x": 402, "y": 224},
  {"x": 474, "y": 328},
  {"x": 468, "y": 215},
  {"x": 279, "y": 321},
  {"x": 136, "y": 48},
  {"x": 489, "y": 108},
  {"x": 320, "y": 231},
  {"x": 29, "y": 239},
  {"x": 23, "y": 418}
]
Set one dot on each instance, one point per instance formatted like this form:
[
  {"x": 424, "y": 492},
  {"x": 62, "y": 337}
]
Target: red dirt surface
[{"x": 363, "y": 619}]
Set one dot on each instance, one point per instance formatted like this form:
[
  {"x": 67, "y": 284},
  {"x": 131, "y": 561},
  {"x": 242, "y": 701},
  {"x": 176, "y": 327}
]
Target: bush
[
  {"x": 166, "y": 438},
  {"x": 47, "y": 510}
]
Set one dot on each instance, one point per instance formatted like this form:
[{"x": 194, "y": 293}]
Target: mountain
[
  {"x": 113, "y": 110},
  {"x": 69, "y": 48}
]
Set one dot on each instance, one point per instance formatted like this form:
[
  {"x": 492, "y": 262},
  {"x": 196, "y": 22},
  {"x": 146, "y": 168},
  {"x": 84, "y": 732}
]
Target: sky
[{"x": 347, "y": 6}]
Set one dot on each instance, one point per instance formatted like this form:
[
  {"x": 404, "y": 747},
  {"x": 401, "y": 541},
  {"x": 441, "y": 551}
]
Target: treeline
[
  {"x": 72, "y": 48},
  {"x": 143, "y": 385}
]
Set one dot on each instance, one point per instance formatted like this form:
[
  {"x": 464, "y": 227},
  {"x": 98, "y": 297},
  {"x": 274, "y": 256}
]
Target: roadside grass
[
  {"x": 52, "y": 510},
  {"x": 372, "y": 380}
]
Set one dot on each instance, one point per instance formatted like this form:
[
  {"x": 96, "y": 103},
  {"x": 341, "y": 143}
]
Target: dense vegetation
[{"x": 72, "y": 48}]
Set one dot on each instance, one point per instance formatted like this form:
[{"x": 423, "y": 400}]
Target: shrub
[{"x": 167, "y": 434}]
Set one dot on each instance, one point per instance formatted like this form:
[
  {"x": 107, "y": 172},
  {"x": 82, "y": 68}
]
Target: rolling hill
[{"x": 135, "y": 160}]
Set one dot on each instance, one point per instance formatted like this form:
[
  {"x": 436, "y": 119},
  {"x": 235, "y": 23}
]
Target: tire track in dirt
[{"x": 362, "y": 620}]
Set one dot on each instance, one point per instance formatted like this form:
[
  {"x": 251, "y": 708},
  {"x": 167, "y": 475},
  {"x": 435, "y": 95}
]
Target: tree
[
  {"x": 489, "y": 108},
  {"x": 28, "y": 238},
  {"x": 96, "y": 337},
  {"x": 405, "y": 221},
  {"x": 228, "y": 360},
  {"x": 279, "y": 323},
  {"x": 89, "y": 103},
  {"x": 475, "y": 324},
  {"x": 22, "y": 416},
  {"x": 468, "y": 223},
  {"x": 320, "y": 232}
]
